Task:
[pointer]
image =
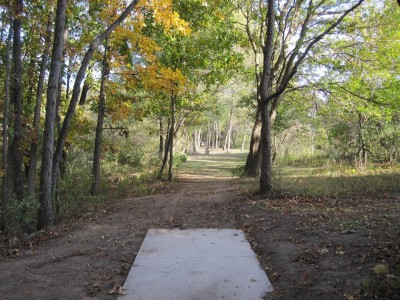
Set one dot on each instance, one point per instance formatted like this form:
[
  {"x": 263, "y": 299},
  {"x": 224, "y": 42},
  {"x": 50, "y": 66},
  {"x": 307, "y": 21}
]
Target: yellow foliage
[
  {"x": 163, "y": 79},
  {"x": 119, "y": 110},
  {"x": 164, "y": 14}
]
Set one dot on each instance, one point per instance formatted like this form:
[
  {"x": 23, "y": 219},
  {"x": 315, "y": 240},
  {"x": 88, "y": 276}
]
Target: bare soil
[{"x": 310, "y": 248}]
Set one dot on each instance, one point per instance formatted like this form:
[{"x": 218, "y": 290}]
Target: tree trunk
[
  {"x": 227, "y": 145},
  {"x": 171, "y": 138},
  {"x": 16, "y": 147},
  {"x": 166, "y": 150},
  {"x": 199, "y": 138},
  {"x": 5, "y": 178},
  {"x": 253, "y": 162},
  {"x": 36, "y": 118},
  {"x": 207, "y": 145},
  {"x": 77, "y": 88},
  {"x": 161, "y": 146},
  {"x": 46, "y": 211},
  {"x": 243, "y": 142},
  {"x": 85, "y": 90},
  {"x": 266, "y": 162},
  {"x": 195, "y": 142},
  {"x": 217, "y": 136},
  {"x": 100, "y": 121},
  {"x": 265, "y": 91}
]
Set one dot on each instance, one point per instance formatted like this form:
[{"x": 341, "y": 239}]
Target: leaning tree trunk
[
  {"x": 100, "y": 121},
  {"x": 4, "y": 196},
  {"x": 36, "y": 118},
  {"x": 16, "y": 147},
  {"x": 46, "y": 211},
  {"x": 227, "y": 143}
]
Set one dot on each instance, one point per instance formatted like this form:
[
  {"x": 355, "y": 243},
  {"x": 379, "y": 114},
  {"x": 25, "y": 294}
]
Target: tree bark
[
  {"x": 166, "y": 151},
  {"x": 253, "y": 162},
  {"x": 85, "y": 90},
  {"x": 46, "y": 211},
  {"x": 161, "y": 145},
  {"x": 7, "y": 80},
  {"x": 195, "y": 142},
  {"x": 36, "y": 118},
  {"x": 228, "y": 137},
  {"x": 207, "y": 145},
  {"x": 16, "y": 147},
  {"x": 266, "y": 161},
  {"x": 243, "y": 142},
  {"x": 171, "y": 138},
  {"x": 100, "y": 121},
  {"x": 265, "y": 91}
]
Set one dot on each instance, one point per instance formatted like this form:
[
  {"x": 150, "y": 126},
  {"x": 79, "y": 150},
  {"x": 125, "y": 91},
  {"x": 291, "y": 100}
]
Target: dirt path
[
  {"x": 89, "y": 260},
  {"x": 311, "y": 248}
]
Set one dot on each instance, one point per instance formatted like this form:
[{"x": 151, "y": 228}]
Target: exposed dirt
[{"x": 310, "y": 248}]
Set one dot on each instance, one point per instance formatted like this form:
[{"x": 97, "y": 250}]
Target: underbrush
[{"x": 75, "y": 199}]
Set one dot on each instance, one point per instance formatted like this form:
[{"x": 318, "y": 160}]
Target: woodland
[{"x": 106, "y": 99}]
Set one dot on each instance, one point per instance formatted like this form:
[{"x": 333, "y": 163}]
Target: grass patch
[
  {"x": 332, "y": 181},
  {"x": 217, "y": 164}
]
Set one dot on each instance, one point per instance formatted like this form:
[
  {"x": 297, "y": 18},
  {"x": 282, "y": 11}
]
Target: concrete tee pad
[{"x": 196, "y": 264}]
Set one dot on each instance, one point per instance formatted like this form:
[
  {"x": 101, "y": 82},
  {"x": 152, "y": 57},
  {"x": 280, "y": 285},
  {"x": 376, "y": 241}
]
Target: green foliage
[
  {"x": 21, "y": 215},
  {"x": 179, "y": 158},
  {"x": 238, "y": 170}
]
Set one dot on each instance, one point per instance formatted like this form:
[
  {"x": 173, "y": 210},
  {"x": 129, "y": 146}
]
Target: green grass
[
  {"x": 334, "y": 181},
  {"x": 217, "y": 164}
]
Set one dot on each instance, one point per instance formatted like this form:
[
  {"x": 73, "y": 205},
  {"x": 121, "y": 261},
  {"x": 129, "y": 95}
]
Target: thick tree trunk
[
  {"x": 171, "y": 138},
  {"x": 100, "y": 121},
  {"x": 46, "y": 211},
  {"x": 266, "y": 162},
  {"x": 253, "y": 162},
  {"x": 5, "y": 196},
  {"x": 265, "y": 92},
  {"x": 36, "y": 118},
  {"x": 16, "y": 147}
]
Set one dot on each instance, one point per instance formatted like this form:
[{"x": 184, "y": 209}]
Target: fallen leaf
[
  {"x": 275, "y": 276},
  {"x": 117, "y": 289},
  {"x": 381, "y": 269}
]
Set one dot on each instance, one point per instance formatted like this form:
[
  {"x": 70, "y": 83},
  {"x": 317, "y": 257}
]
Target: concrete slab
[{"x": 196, "y": 264}]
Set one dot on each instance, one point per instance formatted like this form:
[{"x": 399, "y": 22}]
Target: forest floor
[{"x": 311, "y": 248}]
